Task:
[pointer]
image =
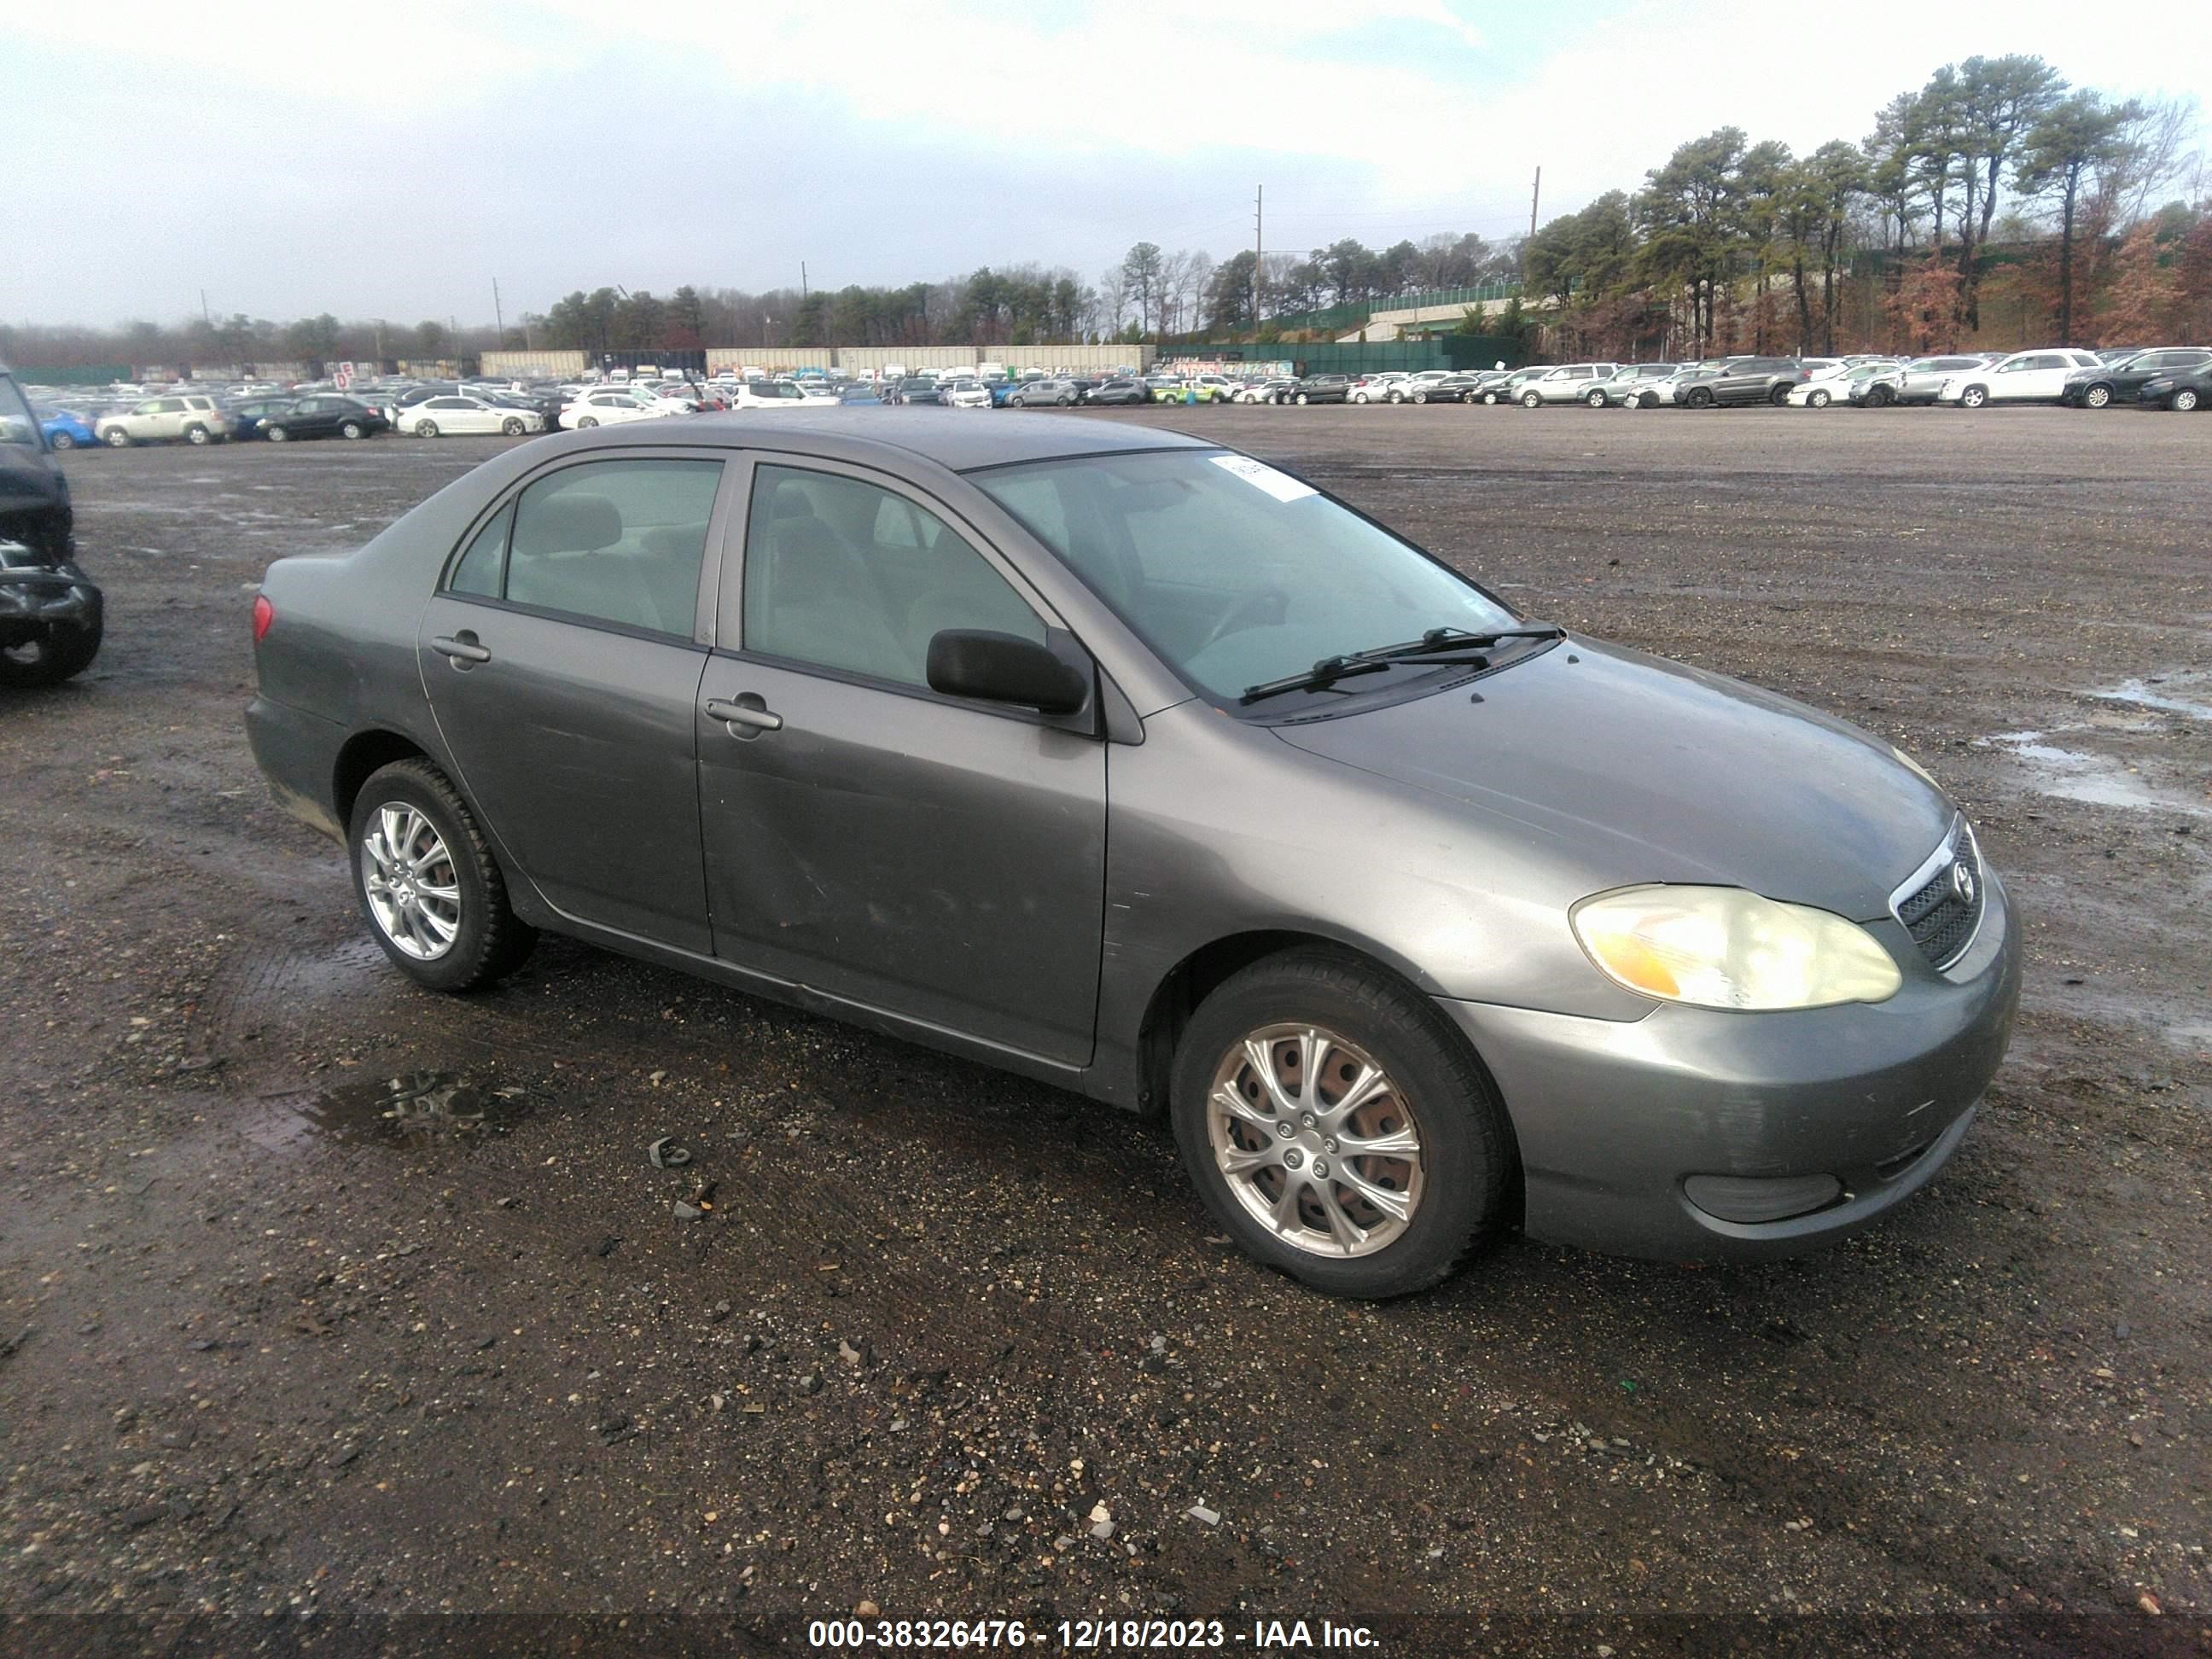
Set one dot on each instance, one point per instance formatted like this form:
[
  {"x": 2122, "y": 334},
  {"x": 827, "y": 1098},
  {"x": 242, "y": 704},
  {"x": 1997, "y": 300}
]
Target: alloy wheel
[
  {"x": 2097, "y": 395},
  {"x": 414, "y": 891},
  {"x": 1314, "y": 1140},
  {"x": 2185, "y": 399}
]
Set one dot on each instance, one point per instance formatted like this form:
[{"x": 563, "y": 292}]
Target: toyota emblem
[{"x": 1962, "y": 882}]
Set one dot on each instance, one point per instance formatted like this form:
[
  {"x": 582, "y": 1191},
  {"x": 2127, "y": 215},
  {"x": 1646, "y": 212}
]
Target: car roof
[{"x": 890, "y": 433}]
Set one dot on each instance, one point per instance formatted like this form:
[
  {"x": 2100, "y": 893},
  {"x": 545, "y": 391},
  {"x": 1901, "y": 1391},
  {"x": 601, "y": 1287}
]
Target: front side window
[
  {"x": 846, "y": 574},
  {"x": 610, "y": 541},
  {"x": 18, "y": 426},
  {"x": 1234, "y": 572}
]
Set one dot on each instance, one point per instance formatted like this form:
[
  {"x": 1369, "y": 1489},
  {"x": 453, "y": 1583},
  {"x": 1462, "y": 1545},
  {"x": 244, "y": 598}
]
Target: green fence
[
  {"x": 75, "y": 374},
  {"x": 1454, "y": 352}
]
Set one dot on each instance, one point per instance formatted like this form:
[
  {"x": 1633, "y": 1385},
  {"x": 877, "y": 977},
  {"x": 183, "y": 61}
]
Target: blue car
[{"x": 66, "y": 430}]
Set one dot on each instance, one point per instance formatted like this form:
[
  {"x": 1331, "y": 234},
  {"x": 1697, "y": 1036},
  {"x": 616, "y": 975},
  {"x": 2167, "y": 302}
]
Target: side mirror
[{"x": 993, "y": 667}]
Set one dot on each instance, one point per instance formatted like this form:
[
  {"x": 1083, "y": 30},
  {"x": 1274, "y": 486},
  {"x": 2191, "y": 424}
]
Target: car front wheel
[
  {"x": 1531, "y": 399},
  {"x": 512, "y": 427},
  {"x": 2097, "y": 397},
  {"x": 1595, "y": 400},
  {"x": 117, "y": 438},
  {"x": 353, "y": 429},
  {"x": 62, "y": 440},
  {"x": 425, "y": 878},
  {"x": 1817, "y": 399},
  {"x": 1337, "y": 1127},
  {"x": 277, "y": 435},
  {"x": 1974, "y": 398}
]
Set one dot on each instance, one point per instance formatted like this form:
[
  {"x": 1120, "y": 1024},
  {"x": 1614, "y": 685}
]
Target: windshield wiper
[{"x": 1432, "y": 648}]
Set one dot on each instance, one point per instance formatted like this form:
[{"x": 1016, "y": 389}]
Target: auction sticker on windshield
[{"x": 1281, "y": 485}]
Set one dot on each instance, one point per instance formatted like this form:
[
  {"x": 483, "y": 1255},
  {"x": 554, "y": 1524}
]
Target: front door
[
  {"x": 563, "y": 665},
  {"x": 936, "y": 858}
]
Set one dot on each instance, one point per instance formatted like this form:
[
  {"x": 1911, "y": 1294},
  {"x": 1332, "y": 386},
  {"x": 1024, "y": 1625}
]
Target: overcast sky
[{"x": 393, "y": 159}]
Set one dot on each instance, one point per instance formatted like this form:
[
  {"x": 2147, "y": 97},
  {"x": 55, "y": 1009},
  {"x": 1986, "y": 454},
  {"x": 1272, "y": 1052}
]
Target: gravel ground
[{"x": 269, "y": 1350}]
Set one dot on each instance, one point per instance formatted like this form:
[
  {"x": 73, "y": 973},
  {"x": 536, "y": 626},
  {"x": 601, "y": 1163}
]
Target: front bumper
[
  {"x": 35, "y": 600},
  {"x": 1615, "y": 1118}
]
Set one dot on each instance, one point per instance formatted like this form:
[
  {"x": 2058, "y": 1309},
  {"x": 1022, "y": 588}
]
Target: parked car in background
[
  {"x": 193, "y": 417},
  {"x": 1503, "y": 385},
  {"x": 860, "y": 394},
  {"x": 248, "y": 415},
  {"x": 2120, "y": 381},
  {"x": 966, "y": 394},
  {"x": 768, "y": 394},
  {"x": 51, "y": 614},
  {"x": 1832, "y": 384},
  {"x": 64, "y": 429},
  {"x": 609, "y": 406},
  {"x": 1918, "y": 381},
  {"x": 1033, "y": 394},
  {"x": 2025, "y": 377},
  {"x": 1569, "y": 383},
  {"x": 1374, "y": 389},
  {"x": 918, "y": 390},
  {"x": 1125, "y": 389},
  {"x": 1744, "y": 380},
  {"x": 325, "y": 415},
  {"x": 459, "y": 416},
  {"x": 1625, "y": 384},
  {"x": 2182, "y": 388},
  {"x": 1442, "y": 389},
  {"x": 1262, "y": 391},
  {"x": 1319, "y": 389}
]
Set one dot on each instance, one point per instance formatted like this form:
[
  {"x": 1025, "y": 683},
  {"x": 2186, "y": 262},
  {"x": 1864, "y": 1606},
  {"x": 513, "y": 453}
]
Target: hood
[{"x": 1640, "y": 769}]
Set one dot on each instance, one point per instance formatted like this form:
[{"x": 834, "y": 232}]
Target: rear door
[
  {"x": 2039, "y": 375},
  {"x": 562, "y": 658},
  {"x": 938, "y": 859}
]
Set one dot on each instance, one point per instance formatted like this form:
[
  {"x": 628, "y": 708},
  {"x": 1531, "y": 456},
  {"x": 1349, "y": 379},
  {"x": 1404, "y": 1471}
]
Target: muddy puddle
[{"x": 413, "y": 1110}]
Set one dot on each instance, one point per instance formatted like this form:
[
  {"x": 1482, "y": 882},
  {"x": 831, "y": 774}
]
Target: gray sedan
[{"x": 1130, "y": 763}]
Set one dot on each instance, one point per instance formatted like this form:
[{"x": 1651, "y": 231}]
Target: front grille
[{"x": 1941, "y": 918}]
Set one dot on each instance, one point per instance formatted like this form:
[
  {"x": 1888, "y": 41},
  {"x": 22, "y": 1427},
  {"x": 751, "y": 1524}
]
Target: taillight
[{"x": 264, "y": 614}]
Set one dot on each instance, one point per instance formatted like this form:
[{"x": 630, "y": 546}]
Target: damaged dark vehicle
[{"x": 49, "y": 609}]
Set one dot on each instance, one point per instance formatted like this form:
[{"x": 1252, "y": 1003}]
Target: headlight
[{"x": 1724, "y": 947}]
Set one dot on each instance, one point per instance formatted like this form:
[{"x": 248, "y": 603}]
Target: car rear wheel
[
  {"x": 116, "y": 438},
  {"x": 2185, "y": 400},
  {"x": 61, "y": 652},
  {"x": 1779, "y": 396},
  {"x": 62, "y": 440},
  {"x": 586, "y": 423},
  {"x": 512, "y": 427},
  {"x": 277, "y": 434},
  {"x": 197, "y": 434},
  {"x": 353, "y": 429},
  {"x": 1337, "y": 1128},
  {"x": 1490, "y": 397},
  {"x": 426, "y": 879},
  {"x": 1817, "y": 399},
  {"x": 2097, "y": 397},
  {"x": 426, "y": 428},
  {"x": 1530, "y": 399},
  {"x": 1300, "y": 398}
]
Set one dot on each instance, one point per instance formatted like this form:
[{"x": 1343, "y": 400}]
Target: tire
[
  {"x": 426, "y": 428},
  {"x": 1299, "y": 398},
  {"x": 62, "y": 440},
  {"x": 2097, "y": 397},
  {"x": 512, "y": 427},
  {"x": 116, "y": 438},
  {"x": 63, "y": 652},
  {"x": 353, "y": 429},
  {"x": 1816, "y": 400},
  {"x": 1393, "y": 398},
  {"x": 585, "y": 422},
  {"x": 1779, "y": 396},
  {"x": 459, "y": 944},
  {"x": 1595, "y": 399},
  {"x": 197, "y": 434},
  {"x": 1699, "y": 397},
  {"x": 1530, "y": 400},
  {"x": 1419, "y": 397},
  {"x": 1880, "y": 397},
  {"x": 275, "y": 435},
  {"x": 1456, "y": 1185},
  {"x": 1490, "y": 397},
  {"x": 2185, "y": 400},
  {"x": 1973, "y": 397}
]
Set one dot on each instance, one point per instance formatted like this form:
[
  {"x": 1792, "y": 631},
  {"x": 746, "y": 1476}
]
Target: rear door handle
[
  {"x": 462, "y": 649},
  {"x": 747, "y": 711}
]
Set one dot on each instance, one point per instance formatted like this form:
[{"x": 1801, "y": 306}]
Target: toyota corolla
[{"x": 1128, "y": 762}]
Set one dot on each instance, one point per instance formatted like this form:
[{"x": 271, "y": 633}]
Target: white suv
[
  {"x": 196, "y": 419},
  {"x": 2026, "y": 377},
  {"x": 1569, "y": 383}
]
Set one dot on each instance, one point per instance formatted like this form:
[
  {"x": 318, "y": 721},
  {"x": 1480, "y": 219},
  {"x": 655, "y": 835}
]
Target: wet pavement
[{"x": 320, "y": 1293}]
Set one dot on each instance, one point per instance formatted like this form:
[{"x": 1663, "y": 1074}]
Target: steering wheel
[{"x": 1242, "y": 614}]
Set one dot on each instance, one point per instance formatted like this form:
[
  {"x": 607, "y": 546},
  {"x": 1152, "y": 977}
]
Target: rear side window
[{"x": 617, "y": 541}]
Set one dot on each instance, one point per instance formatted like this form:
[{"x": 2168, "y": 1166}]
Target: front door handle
[
  {"x": 748, "y": 711},
  {"x": 462, "y": 647}
]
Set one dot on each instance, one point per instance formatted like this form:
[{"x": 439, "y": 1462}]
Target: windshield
[
  {"x": 17, "y": 424},
  {"x": 1233, "y": 572}
]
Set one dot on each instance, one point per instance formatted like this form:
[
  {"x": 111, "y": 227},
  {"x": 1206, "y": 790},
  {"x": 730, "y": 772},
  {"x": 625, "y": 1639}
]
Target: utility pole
[
  {"x": 1259, "y": 252},
  {"x": 204, "y": 317},
  {"x": 802, "y": 281},
  {"x": 1534, "y": 190},
  {"x": 499, "y": 317}
]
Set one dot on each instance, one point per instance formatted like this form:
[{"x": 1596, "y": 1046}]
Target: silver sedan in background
[{"x": 1133, "y": 764}]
